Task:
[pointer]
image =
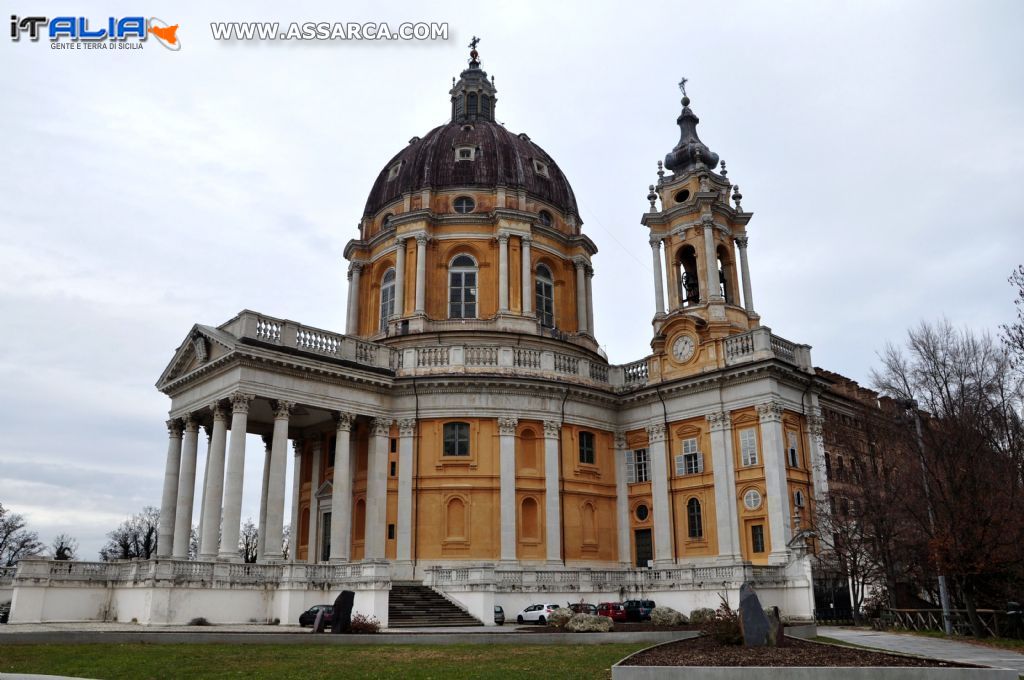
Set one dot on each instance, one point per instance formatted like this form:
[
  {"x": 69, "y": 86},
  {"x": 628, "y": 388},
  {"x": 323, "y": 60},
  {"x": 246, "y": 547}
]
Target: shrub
[
  {"x": 666, "y": 616},
  {"x": 702, "y": 615},
  {"x": 364, "y": 624},
  {"x": 560, "y": 617},
  {"x": 199, "y": 621},
  {"x": 589, "y": 623},
  {"x": 724, "y": 626}
]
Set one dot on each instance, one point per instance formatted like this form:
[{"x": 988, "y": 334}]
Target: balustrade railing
[
  {"x": 526, "y": 358},
  {"x": 481, "y": 356},
  {"x": 432, "y": 357},
  {"x": 565, "y": 363},
  {"x": 635, "y": 372}
]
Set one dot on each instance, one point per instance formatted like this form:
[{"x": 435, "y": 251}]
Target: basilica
[{"x": 465, "y": 433}]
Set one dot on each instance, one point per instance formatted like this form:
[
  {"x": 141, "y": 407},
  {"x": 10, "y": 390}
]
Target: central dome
[{"x": 478, "y": 153}]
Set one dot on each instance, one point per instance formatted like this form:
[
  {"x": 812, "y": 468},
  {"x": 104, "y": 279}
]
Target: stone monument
[
  {"x": 342, "y": 619},
  {"x": 753, "y": 621}
]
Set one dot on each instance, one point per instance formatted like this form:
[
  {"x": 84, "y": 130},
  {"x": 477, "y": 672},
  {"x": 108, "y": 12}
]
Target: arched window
[
  {"x": 359, "y": 520},
  {"x": 694, "y": 523},
  {"x": 455, "y": 519},
  {"x": 456, "y": 439},
  {"x": 725, "y": 275},
  {"x": 462, "y": 288},
  {"x": 528, "y": 450},
  {"x": 544, "y": 217},
  {"x": 386, "y": 222},
  {"x": 545, "y": 296},
  {"x": 686, "y": 276},
  {"x": 485, "y": 106},
  {"x": 589, "y": 524},
  {"x": 530, "y": 515},
  {"x": 471, "y": 109},
  {"x": 387, "y": 297}
]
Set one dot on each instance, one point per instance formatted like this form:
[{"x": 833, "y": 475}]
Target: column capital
[
  {"x": 219, "y": 411},
  {"x": 656, "y": 432},
  {"x": 580, "y": 262},
  {"x": 240, "y": 402},
  {"x": 174, "y": 428},
  {"x": 282, "y": 409},
  {"x": 190, "y": 422},
  {"x": 551, "y": 428},
  {"x": 401, "y": 238},
  {"x": 655, "y": 242},
  {"x": 816, "y": 426},
  {"x": 421, "y": 238},
  {"x": 503, "y": 237},
  {"x": 741, "y": 241},
  {"x": 770, "y": 412},
  {"x": 507, "y": 425},
  {"x": 356, "y": 266},
  {"x": 406, "y": 427},
  {"x": 588, "y": 271},
  {"x": 525, "y": 238},
  {"x": 719, "y": 421},
  {"x": 343, "y": 421},
  {"x": 380, "y": 427}
]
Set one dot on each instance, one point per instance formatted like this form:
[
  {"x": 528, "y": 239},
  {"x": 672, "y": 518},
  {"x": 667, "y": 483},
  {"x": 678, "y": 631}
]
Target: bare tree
[
  {"x": 15, "y": 540},
  {"x": 134, "y": 538},
  {"x": 1013, "y": 333},
  {"x": 248, "y": 541},
  {"x": 968, "y": 498},
  {"x": 64, "y": 547}
]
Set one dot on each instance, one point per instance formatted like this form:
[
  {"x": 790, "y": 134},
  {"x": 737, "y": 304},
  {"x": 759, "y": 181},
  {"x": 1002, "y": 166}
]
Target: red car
[{"x": 613, "y": 610}]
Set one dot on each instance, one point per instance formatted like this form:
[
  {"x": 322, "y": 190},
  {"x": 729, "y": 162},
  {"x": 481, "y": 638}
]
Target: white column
[
  {"x": 581, "y": 294},
  {"x": 713, "y": 285},
  {"x": 552, "y": 499},
  {"x": 527, "y": 276},
  {"x": 502, "y": 272},
  {"x": 622, "y": 500},
  {"x": 186, "y": 489},
  {"x": 208, "y": 429},
  {"x": 352, "y": 323},
  {"x": 169, "y": 498},
  {"x": 659, "y": 492},
  {"x": 208, "y": 545},
  {"x": 234, "y": 479},
  {"x": 672, "y": 283},
  {"x": 406, "y": 435},
  {"x": 659, "y": 294},
  {"x": 276, "y": 483},
  {"x": 507, "y": 471},
  {"x": 590, "y": 300},
  {"x": 748, "y": 295},
  {"x": 399, "y": 277},
  {"x": 776, "y": 488},
  {"x": 312, "y": 556},
  {"x": 262, "y": 545},
  {"x": 724, "y": 467},
  {"x": 421, "y": 277},
  {"x": 293, "y": 533},
  {"x": 341, "y": 493},
  {"x": 377, "y": 489}
]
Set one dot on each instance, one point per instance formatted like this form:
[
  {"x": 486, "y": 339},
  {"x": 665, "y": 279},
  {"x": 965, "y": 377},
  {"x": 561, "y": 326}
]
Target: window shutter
[
  {"x": 680, "y": 465},
  {"x": 700, "y": 463},
  {"x": 630, "y": 468}
]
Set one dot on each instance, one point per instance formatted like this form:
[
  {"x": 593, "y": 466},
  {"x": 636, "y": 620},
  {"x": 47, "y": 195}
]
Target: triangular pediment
[
  {"x": 325, "y": 490},
  {"x": 202, "y": 345}
]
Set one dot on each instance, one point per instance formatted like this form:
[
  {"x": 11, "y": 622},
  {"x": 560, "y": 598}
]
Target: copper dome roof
[{"x": 501, "y": 158}]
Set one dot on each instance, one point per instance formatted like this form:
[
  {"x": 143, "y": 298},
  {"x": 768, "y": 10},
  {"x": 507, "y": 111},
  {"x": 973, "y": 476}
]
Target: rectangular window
[
  {"x": 394, "y": 445},
  {"x": 391, "y": 532},
  {"x": 587, "y": 448},
  {"x": 691, "y": 461},
  {"x": 456, "y": 439},
  {"x": 794, "y": 449},
  {"x": 748, "y": 446},
  {"x": 331, "y": 445},
  {"x": 394, "y": 468},
  {"x": 757, "y": 538},
  {"x": 636, "y": 466}
]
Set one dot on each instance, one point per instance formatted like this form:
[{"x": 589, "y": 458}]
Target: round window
[
  {"x": 752, "y": 499},
  {"x": 642, "y": 513},
  {"x": 682, "y": 196},
  {"x": 464, "y": 204},
  {"x": 545, "y": 218}
]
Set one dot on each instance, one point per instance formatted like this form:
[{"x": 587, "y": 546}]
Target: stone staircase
[{"x": 412, "y": 605}]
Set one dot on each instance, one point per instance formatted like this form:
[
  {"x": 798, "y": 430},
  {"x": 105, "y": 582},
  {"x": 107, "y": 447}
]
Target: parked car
[
  {"x": 536, "y": 613},
  {"x": 583, "y": 608},
  {"x": 308, "y": 617},
  {"x": 499, "y": 615},
  {"x": 638, "y": 610},
  {"x": 613, "y": 610}
]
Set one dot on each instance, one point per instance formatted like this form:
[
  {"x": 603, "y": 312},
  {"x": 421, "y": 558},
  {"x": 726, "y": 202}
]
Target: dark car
[
  {"x": 308, "y": 617},
  {"x": 638, "y": 610},
  {"x": 499, "y": 615},
  {"x": 583, "y": 608},
  {"x": 613, "y": 610}
]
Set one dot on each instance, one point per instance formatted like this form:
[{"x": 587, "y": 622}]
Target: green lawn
[{"x": 163, "y": 661}]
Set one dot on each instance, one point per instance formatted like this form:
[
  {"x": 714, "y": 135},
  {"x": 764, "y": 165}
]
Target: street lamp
[{"x": 911, "y": 405}]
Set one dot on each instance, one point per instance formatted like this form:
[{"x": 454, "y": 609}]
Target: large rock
[
  {"x": 666, "y": 616},
  {"x": 342, "y": 615},
  {"x": 589, "y": 623},
  {"x": 753, "y": 622},
  {"x": 776, "y": 631}
]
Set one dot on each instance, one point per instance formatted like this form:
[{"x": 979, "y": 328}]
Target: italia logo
[{"x": 123, "y": 31}]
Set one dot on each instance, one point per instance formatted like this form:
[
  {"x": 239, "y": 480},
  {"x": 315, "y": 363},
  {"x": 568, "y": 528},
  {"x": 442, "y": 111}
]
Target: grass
[{"x": 165, "y": 661}]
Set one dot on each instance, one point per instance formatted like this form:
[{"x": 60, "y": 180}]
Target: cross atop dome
[
  {"x": 474, "y": 56},
  {"x": 690, "y": 153}
]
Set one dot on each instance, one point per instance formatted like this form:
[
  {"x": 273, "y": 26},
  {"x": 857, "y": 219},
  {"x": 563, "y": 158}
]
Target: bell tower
[{"x": 703, "y": 292}]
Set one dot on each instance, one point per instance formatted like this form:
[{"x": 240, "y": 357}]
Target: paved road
[{"x": 936, "y": 648}]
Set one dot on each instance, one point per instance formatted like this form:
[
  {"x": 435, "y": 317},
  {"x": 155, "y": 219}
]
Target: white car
[{"x": 538, "y": 613}]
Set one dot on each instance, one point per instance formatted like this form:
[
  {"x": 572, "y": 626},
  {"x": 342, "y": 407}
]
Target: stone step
[{"x": 412, "y": 605}]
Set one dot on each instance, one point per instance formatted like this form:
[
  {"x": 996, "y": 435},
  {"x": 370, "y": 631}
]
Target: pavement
[{"x": 934, "y": 648}]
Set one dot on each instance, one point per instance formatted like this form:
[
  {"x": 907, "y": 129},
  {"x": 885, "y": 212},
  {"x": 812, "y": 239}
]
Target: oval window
[
  {"x": 642, "y": 513},
  {"x": 682, "y": 196}
]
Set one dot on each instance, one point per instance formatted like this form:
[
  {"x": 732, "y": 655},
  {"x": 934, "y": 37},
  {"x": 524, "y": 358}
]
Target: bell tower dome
[{"x": 701, "y": 239}]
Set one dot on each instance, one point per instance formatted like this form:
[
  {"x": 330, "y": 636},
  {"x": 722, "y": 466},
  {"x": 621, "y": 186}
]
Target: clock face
[{"x": 682, "y": 348}]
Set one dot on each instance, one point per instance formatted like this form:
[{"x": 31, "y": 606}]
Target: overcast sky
[{"x": 879, "y": 144}]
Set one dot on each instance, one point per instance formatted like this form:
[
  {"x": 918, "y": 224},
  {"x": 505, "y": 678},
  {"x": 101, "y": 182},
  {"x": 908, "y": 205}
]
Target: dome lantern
[{"x": 473, "y": 94}]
